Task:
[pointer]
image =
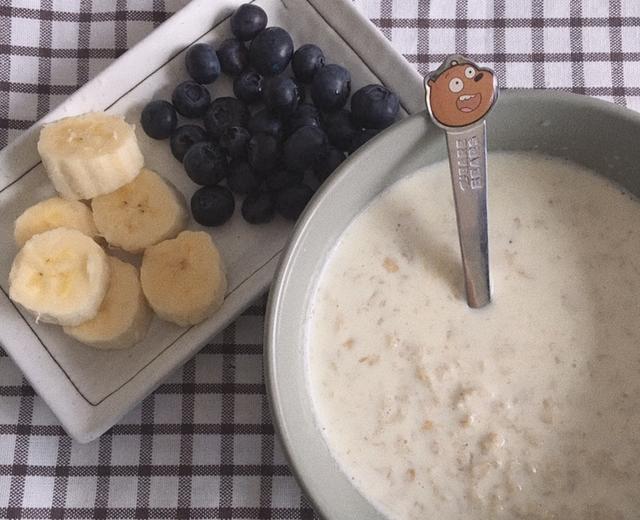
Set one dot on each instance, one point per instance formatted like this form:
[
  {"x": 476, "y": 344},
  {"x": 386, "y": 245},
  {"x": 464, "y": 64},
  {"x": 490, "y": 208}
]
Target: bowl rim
[{"x": 277, "y": 293}]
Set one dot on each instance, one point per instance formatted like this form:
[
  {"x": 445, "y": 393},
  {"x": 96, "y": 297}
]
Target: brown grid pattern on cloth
[
  {"x": 202, "y": 445},
  {"x": 49, "y": 48}
]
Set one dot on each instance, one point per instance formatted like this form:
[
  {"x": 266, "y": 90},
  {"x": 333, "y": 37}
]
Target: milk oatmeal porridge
[{"x": 527, "y": 409}]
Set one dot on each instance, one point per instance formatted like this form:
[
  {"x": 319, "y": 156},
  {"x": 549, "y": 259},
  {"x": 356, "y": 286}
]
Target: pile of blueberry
[{"x": 268, "y": 143}]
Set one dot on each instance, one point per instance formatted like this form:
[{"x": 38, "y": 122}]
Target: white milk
[{"x": 527, "y": 409}]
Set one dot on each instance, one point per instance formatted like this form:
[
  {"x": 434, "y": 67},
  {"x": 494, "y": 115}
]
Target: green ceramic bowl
[{"x": 597, "y": 134}]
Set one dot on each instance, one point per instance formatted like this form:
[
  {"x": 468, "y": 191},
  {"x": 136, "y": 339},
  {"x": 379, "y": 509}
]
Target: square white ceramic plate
[{"x": 90, "y": 390}]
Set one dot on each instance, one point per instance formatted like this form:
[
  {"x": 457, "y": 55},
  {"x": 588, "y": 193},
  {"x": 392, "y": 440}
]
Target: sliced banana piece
[
  {"x": 184, "y": 279},
  {"x": 124, "y": 316},
  {"x": 61, "y": 276},
  {"x": 141, "y": 213},
  {"x": 89, "y": 155},
  {"x": 54, "y": 213}
]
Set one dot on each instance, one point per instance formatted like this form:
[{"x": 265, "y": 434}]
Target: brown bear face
[{"x": 461, "y": 94}]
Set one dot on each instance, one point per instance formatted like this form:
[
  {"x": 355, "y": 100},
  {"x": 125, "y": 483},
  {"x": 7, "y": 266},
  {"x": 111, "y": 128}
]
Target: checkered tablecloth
[{"x": 203, "y": 445}]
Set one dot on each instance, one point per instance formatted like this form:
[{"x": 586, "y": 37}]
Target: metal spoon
[{"x": 459, "y": 96}]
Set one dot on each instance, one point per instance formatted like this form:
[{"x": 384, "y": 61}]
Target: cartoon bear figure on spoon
[{"x": 459, "y": 95}]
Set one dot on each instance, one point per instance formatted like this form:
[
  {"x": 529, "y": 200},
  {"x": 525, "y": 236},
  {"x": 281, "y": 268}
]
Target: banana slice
[
  {"x": 54, "y": 213},
  {"x": 141, "y": 213},
  {"x": 124, "y": 316},
  {"x": 89, "y": 155},
  {"x": 61, "y": 276},
  {"x": 183, "y": 279}
]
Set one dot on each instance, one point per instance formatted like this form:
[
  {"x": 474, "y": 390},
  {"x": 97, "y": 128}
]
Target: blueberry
[
  {"x": 271, "y": 51},
  {"x": 281, "y": 178},
  {"x": 234, "y": 140},
  {"x": 233, "y": 56},
  {"x": 191, "y": 99},
  {"x": 263, "y": 152},
  {"x": 340, "y": 128},
  {"x": 248, "y": 86},
  {"x": 258, "y": 207},
  {"x": 212, "y": 205},
  {"x": 374, "y": 106},
  {"x": 305, "y": 115},
  {"x": 291, "y": 201},
  {"x": 223, "y": 113},
  {"x": 184, "y": 137},
  {"x": 306, "y": 61},
  {"x": 202, "y": 63},
  {"x": 247, "y": 21},
  {"x": 304, "y": 148},
  {"x": 242, "y": 178},
  {"x": 331, "y": 87},
  {"x": 206, "y": 164},
  {"x": 280, "y": 95},
  {"x": 360, "y": 138},
  {"x": 323, "y": 169},
  {"x": 263, "y": 122},
  {"x": 159, "y": 119}
]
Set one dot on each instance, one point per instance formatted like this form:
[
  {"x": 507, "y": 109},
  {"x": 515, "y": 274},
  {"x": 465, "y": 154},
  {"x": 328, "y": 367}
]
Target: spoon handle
[{"x": 468, "y": 162}]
